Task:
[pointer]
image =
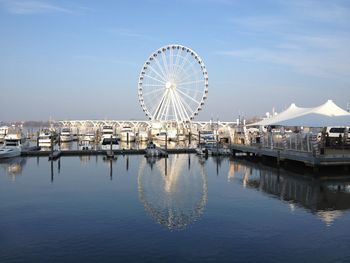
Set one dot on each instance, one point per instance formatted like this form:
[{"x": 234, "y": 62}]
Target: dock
[
  {"x": 39, "y": 153},
  {"x": 313, "y": 159}
]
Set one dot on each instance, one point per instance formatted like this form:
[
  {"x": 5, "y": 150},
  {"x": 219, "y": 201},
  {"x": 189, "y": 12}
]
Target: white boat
[
  {"x": 127, "y": 134},
  {"x": 142, "y": 136},
  {"x": 172, "y": 134},
  {"x": 44, "y": 139},
  {"x": 88, "y": 137},
  {"x": 14, "y": 142},
  {"x": 85, "y": 145},
  {"x": 161, "y": 136},
  {"x": 107, "y": 132},
  {"x": 107, "y": 142},
  {"x": 17, "y": 139},
  {"x": 3, "y": 132},
  {"x": 66, "y": 135},
  {"x": 8, "y": 152}
]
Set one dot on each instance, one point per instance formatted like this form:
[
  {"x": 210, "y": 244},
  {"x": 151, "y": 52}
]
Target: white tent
[
  {"x": 290, "y": 112},
  {"x": 325, "y": 115}
]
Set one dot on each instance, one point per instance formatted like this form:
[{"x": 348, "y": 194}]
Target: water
[{"x": 184, "y": 209}]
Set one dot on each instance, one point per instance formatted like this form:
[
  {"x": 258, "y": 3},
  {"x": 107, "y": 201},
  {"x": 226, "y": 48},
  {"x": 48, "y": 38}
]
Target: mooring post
[
  {"x": 37, "y": 140},
  {"x": 51, "y": 141},
  {"x": 51, "y": 171},
  {"x": 189, "y": 138},
  {"x": 127, "y": 138},
  {"x": 166, "y": 141},
  {"x": 111, "y": 145},
  {"x": 199, "y": 137}
]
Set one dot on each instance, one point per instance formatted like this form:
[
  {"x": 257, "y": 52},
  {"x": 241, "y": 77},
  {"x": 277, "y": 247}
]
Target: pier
[{"x": 335, "y": 158}]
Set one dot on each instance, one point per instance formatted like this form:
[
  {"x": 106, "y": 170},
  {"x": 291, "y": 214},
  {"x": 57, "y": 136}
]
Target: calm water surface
[{"x": 180, "y": 209}]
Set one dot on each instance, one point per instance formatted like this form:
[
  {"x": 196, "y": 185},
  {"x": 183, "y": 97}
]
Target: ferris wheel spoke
[
  {"x": 148, "y": 76},
  {"x": 190, "y": 82},
  {"x": 188, "y": 89},
  {"x": 176, "y": 64},
  {"x": 162, "y": 78},
  {"x": 153, "y": 85},
  {"x": 185, "y": 65},
  {"x": 160, "y": 67},
  {"x": 152, "y": 91},
  {"x": 176, "y": 109},
  {"x": 165, "y": 63},
  {"x": 165, "y": 108},
  {"x": 156, "y": 112},
  {"x": 188, "y": 96},
  {"x": 186, "y": 105},
  {"x": 181, "y": 66},
  {"x": 171, "y": 65},
  {"x": 190, "y": 67},
  {"x": 184, "y": 112}
]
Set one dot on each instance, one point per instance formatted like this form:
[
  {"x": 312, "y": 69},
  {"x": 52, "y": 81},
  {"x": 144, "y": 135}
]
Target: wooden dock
[{"x": 340, "y": 158}]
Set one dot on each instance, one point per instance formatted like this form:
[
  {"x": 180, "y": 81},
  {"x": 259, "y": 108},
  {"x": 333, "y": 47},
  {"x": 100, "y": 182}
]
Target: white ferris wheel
[{"x": 173, "y": 84}]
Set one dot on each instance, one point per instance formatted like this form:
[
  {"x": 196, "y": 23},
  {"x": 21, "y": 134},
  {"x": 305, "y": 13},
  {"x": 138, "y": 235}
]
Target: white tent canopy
[
  {"x": 290, "y": 112},
  {"x": 327, "y": 114}
]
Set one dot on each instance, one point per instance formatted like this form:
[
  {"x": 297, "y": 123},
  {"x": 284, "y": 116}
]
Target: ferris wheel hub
[{"x": 170, "y": 85}]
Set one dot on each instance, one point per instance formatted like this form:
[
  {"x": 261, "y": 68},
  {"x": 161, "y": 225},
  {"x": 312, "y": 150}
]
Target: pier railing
[{"x": 297, "y": 142}]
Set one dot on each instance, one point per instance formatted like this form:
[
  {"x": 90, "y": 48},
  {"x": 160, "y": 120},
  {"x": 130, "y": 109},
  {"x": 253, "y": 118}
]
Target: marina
[{"x": 186, "y": 131}]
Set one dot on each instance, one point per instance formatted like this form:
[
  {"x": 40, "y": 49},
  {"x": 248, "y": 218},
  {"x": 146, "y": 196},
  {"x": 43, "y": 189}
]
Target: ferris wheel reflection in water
[{"x": 173, "y": 192}]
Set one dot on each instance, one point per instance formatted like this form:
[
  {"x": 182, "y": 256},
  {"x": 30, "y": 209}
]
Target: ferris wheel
[{"x": 173, "y": 84}]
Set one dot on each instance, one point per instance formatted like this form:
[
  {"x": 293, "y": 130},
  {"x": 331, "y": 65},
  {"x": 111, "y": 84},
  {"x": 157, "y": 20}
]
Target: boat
[
  {"x": 142, "y": 136},
  {"x": 8, "y": 152},
  {"x": 207, "y": 137},
  {"x": 161, "y": 136},
  {"x": 44, "y": 139},
  {"x": 66, "y": 135},
  {"x": 107, "y": 143},
  {"x": 172, "y": 134},
  {"x": 153, "y": 151},
  {"x": 14, "y": 143},
  {"x": 127, "y": 134},
  {"x": 88, "y": 137},
  {"x": 107, "y": 132},
  {"x": 85, "y": 145},
  {"x": 3, "y": 132}
]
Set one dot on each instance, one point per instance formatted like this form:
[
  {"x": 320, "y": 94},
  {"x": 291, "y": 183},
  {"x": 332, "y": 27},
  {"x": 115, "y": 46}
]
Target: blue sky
[{"x": 81, "y": 59}]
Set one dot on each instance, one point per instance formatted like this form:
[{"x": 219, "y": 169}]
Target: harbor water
[{"x": 183, "y": 208}]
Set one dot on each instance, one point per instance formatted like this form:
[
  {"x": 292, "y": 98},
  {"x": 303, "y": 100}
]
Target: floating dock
[{"x": 38, "y": 153}]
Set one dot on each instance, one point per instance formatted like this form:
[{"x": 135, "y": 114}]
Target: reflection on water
[
  {"x": 173, "y": 197},
  {"x": 325, "y": 198},
  {"x": 13, "y": 166},
  {"x": 136, "y": 209}
]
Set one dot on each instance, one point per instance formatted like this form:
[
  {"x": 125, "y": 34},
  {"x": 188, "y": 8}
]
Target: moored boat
[
  {"x": 107, "y": 143},
  {"x": 127, "y": 134},
  {"x": 3, "y": 132},
  {"x": 8, "y": 152},
  {"x": 66, "y": 135},
  {"x": 14, "y": 143},
  {"x": 44, "y": 139}
]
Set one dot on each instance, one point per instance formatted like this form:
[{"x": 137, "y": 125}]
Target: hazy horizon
[{"x": 82, "y": 59}]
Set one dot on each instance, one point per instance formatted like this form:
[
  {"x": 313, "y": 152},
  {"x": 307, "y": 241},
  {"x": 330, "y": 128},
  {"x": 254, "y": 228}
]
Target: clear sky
[{"x": 81, "y": 59}]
